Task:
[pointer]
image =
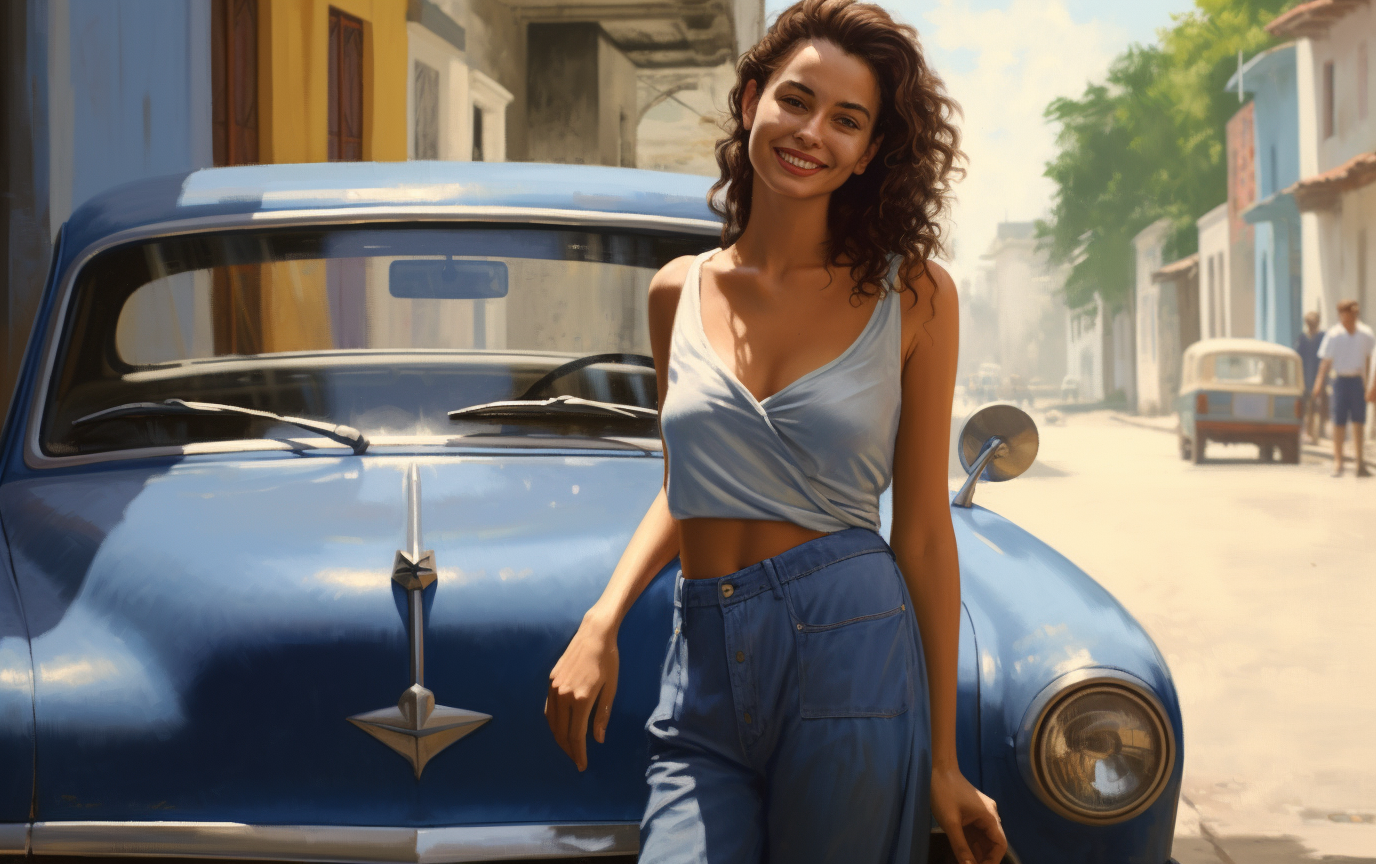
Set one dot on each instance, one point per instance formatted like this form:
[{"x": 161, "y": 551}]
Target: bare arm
[
  {"x": 586, "y": 674},
  {"x": 924, "y": 546},
  {"x": 1322, "y": 376}
]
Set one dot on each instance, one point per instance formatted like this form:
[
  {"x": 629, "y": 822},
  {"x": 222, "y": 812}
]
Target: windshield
[
  {"x": 1262, "y": 369},
  {"x": 385, "y": 329}
]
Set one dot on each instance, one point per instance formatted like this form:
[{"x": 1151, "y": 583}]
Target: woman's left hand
[{"x": 969, "y": 817}]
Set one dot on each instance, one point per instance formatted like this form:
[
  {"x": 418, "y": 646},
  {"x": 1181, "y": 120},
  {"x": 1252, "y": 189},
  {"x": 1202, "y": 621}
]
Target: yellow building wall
[
  {"x": 293, "y": 126},
  {"x": 293, "y": 88}
]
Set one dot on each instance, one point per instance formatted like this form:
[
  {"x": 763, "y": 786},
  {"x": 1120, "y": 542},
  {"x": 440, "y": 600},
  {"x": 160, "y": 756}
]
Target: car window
[
  {"x": 1260, "y": 369},
  {"x": 383, "y": 329}
]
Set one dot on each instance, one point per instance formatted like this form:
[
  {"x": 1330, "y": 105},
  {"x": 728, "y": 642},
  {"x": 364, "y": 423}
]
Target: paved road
[{"x": 1258, "y": 582}]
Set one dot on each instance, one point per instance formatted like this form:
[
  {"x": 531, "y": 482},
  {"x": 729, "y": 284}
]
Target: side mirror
[{"x": 997, "y": 442}]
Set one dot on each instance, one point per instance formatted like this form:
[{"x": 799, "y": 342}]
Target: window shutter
[
  {"x": 345, "y": 88},
  {"x": 234, "y": 81}
]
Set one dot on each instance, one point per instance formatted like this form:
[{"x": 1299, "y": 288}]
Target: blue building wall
[
  {"x": 131, "y": 82},
  {"x": 1271, "y": 79}
]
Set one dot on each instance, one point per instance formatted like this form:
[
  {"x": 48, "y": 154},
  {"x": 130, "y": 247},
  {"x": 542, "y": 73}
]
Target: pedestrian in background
[
  {"x": 1315, "y": 398},
  {"x": 1346, "y": 350}
]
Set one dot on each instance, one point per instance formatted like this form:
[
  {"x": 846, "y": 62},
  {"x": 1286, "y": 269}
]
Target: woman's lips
[{"x": 784, "y": 155}]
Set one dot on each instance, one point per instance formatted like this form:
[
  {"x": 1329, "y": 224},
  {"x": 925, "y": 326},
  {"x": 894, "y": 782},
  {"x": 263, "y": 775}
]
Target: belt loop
[{"x": 773, "y": 578}]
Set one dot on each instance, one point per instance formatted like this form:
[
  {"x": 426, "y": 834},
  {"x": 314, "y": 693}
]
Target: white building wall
[
  {"x": 1215, "y": 274},
  {"x": 1084, "y": 349},
  {"x": 1333, "y": 247},
  {"x": 1150, "y": 399}
]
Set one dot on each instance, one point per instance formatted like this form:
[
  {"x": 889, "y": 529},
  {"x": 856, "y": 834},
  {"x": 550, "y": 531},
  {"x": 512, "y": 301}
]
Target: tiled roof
[
  {"x": 1185, "y": 268},
  {"x": 1321, "y": 191},
  {"x": 1312, "y": 19}
]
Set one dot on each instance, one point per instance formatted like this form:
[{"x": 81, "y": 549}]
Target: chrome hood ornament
[{"x": 417, "y": 728}]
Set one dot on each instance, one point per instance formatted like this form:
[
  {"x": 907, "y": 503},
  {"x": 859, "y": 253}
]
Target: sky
[{"x": 1004, "y": 61}]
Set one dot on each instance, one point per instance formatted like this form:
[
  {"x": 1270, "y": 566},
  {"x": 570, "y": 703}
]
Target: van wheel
[
  {"x": 1184, "y": 447},
  {"x": 1197, "y": 448},
  {"x": 1290, "y": 452},
  {"x": 1268, "y": 452}
]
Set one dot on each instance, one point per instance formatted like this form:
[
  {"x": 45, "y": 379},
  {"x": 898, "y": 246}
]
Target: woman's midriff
[{"x": 709, "y": 548}]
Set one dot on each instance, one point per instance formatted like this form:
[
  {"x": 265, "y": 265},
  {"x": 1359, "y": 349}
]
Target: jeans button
[
  {"x": 747, "y": 718},
  {"x": 727, "y": 589},
  {"x": 740, "y": 656}
]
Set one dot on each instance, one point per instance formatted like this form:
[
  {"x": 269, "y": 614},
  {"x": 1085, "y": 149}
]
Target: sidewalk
[{"x": 1168, "y": 424}]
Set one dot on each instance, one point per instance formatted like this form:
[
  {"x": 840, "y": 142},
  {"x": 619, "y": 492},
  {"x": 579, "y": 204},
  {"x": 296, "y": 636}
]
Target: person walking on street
[
  {"x": 1346, "y": 350},
  {"x": 1315, "y": 398}
]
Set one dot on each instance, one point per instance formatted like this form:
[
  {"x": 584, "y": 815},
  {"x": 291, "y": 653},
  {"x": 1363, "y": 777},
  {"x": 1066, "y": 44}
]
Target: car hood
[{"x": 203, "y": 629}]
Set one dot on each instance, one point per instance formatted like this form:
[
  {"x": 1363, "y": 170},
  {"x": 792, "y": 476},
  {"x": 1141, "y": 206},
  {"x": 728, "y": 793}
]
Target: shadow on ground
[{"x": 1251, "y": 850}]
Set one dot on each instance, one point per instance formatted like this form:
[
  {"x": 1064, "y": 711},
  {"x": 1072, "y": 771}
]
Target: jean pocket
[{"x": 855, "y": 654}]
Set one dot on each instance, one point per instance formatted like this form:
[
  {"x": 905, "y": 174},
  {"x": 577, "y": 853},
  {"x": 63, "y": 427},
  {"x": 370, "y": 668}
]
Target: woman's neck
[{"x": 783, "y": 233}]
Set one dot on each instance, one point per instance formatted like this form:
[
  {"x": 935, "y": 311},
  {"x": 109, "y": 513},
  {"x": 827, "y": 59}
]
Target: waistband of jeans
[
  {"x": 1354, "y": 375},
  {"x": 793, "y": 564}
]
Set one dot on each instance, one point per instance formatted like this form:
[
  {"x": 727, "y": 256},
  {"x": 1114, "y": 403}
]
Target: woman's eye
[
  {"x": 849, "y": 122},
  {"x": 794, "y": 101}
]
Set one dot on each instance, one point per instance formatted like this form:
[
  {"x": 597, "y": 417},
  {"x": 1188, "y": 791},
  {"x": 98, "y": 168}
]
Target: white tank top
[{"x": 818, "y": 453}]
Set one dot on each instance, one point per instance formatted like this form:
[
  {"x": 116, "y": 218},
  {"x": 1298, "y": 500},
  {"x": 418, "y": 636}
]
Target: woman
[{"x": 801, "y": 369}]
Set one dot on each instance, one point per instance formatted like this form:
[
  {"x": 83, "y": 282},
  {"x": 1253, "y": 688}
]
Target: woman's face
[{"x": 811, "y": 127}]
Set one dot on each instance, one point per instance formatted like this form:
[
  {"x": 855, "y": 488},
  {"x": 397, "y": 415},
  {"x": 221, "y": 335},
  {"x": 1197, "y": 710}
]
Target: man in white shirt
[{"x": 1346, "y": 350}]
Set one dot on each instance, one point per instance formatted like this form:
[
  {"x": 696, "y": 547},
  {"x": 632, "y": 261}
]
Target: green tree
[{"x": 1147, "y": 144}]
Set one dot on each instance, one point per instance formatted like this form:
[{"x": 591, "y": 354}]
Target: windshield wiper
[
  {"x": 346, "y": 435},
  {"x": 559, "y": 406}
]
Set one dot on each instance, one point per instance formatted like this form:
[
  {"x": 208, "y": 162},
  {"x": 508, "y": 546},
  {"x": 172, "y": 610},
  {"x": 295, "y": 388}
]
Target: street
[{"x": 1256, "y": 581}]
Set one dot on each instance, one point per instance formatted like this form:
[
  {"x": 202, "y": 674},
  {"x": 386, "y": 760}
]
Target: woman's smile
[{"x": 796, "y": 163}]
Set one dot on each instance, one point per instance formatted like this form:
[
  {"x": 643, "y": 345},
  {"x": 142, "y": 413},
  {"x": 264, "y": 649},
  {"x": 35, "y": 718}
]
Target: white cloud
[{"x": 1005, "y": 66}]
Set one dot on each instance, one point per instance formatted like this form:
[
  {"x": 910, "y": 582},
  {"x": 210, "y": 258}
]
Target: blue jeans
[{"x": 792, "y": 724}]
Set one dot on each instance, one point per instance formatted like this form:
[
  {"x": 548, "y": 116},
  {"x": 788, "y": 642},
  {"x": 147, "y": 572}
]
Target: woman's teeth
[{"x": 800, "y": 163}]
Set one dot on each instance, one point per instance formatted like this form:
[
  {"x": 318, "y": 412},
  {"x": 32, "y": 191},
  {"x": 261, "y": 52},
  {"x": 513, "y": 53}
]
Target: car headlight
[{"x": 1098, "y": 749}]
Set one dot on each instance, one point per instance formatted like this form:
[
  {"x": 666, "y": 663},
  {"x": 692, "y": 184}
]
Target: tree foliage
[{"x": 1148, "y": 143}]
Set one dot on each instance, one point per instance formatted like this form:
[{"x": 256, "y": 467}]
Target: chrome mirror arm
[{"x": 993, "y": 448}]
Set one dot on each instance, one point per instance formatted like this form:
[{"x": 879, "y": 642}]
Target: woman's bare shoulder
[
  {"x": 665, "y": 288},
  {"x": 931, "y": 308}
]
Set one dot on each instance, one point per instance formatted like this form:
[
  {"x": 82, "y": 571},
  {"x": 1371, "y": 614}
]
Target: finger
[
  {"x": 960, "y": 848},
  {"x": 990, "y": 840},
  {"x": 603, "y": 712},
  {"x": 578, "y": 732}
]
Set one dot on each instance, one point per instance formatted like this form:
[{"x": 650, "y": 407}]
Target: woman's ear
[
  {"x": 870, "y": 151},
  {"x": 750, "y": 102}
]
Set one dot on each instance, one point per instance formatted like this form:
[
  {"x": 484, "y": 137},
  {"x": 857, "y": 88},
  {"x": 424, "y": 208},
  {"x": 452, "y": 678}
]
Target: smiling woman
[{"x": 916, "y": 142}]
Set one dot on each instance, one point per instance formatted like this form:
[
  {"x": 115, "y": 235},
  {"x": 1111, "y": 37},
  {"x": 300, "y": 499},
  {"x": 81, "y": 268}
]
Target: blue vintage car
[{"x": 312, "y": 471}]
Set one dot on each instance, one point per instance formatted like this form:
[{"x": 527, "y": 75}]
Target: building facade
[
  {"x": 1277, "y": 264},
  {"x": 1215, "y": 283},
  {"x": 1025, "y": 290},
  {"x": 1240, "y": 138},
  {"x": 96, "y": 93},
  {"x": 1334, "y": 194},
  {"x": 1153, "y": 320}
]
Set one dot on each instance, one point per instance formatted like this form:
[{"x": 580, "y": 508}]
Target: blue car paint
[{"x": 239, "y": 689}]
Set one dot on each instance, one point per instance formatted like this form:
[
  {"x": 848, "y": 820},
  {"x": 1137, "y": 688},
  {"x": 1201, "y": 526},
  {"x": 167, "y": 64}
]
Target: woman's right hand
[{"x": 584, "y": 679}]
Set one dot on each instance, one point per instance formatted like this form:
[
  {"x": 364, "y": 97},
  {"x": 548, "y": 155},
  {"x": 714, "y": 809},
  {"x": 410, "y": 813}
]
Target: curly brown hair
[{"x": 894, "y": 208}]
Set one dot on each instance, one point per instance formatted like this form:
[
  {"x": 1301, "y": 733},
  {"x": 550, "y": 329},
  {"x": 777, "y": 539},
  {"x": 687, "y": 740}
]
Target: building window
[
  {"x": 427, "y": 131},
  {"x": 1328, "y": 106},
  {"x": 477, "y": 134},
  {"x": 1361, "y": 81},
  {"x": 346, "y": 88},
  {"x": 234, "y": 81}
]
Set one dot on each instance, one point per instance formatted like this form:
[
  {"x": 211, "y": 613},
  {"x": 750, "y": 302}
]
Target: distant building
[
  {"x": 1152, "y": 319},
  {"x": 1277, "y": 270},
  {"x": 1025, "y": 288},
  {"x": 1337, "y": 139},
  {"x": 96, "y": 93},
  {"x": 1216, "y": 306},
  {"x": 1240, "y": 138},
  {"x": 1085, "y": 349}
]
